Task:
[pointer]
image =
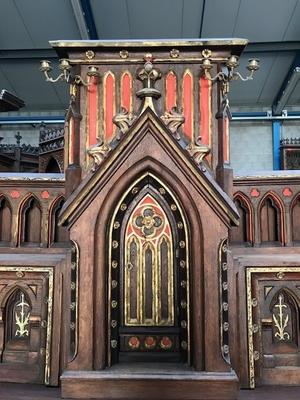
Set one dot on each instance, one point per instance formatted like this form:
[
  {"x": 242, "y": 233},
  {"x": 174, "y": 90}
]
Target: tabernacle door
[{"x": 149, "y": 285}]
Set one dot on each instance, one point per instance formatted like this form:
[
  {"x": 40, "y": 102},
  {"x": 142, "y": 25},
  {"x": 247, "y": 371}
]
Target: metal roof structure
[{"x": 271, "y": 26}]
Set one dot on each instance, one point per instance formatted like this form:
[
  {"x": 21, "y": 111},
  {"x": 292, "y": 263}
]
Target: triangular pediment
[{"x": 147, "y": 126}]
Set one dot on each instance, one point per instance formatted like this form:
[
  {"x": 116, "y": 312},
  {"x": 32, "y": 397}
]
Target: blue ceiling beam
[
  {"x": 287, "y": 87},
  {"x": 89, "y": 19}
]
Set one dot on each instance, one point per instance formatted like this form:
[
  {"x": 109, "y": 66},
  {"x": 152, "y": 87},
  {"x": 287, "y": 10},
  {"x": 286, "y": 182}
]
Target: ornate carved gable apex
[{"x": 148, "y": 124}]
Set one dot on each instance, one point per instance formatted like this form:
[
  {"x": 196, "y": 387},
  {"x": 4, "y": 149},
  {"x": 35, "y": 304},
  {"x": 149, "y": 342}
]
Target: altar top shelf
[{"x": 235, "y": 45}]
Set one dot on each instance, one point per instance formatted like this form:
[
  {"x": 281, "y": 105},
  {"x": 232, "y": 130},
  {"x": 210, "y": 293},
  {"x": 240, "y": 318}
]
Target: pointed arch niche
[
  {"x": 243, "y": 234},
  {"x": 295, "y": 216},
  {"x": 58, "y": 235},
  {"x": 16, "y": 319},
  {"x": 30, "y": 221},
  {"x": 5, "y": 221},
  {"x": 271, "y": 219}
]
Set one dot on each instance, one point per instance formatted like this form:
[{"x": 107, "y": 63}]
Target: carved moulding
[
  {"x": 197, "y": 152},
  {"x": 50, "y": 275},
  {"x": 173, "y": 119},
  {"x": 254, "y": 355},
  {"x": 98, "y": 152},
  {"x": 123, "y": 121},
  {"x": 223, "y": 286},
  {"x": 74, "y": 301}
]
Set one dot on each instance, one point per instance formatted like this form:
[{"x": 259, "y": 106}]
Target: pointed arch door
[{"x": 149, "y": 277}]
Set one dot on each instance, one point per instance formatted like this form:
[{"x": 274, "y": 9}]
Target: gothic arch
[
  {"x": 15, "y": 299},
  {"x": 125, "y": 183},
  {"x": 5, "y": 219},
  {"x": 271, "y": 219},
  {"x": 295, "y": 218},
  {"x": 52, "y": 166},
  {"x": 30, "y": 220},
  {"x": 244, "y": 232},
  {"x": 12, "y": 288},
  {"x": 56, "y": 234}
]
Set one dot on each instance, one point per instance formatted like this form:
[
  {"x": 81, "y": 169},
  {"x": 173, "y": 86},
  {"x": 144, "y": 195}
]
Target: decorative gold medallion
[
  {"x": 174, "y": 53},
  {"x": 89, "y": 54},
  {"x": 116, "y": 225},
  {"x": 114, "y": 264},
  {"x": 114, "y": 284},
  {"x": 113, "y": 344},
  {"x": 124, "y": 54},
  {"x": 184, "y": 345},
  {"x": 114, "y": 323},
  {"x": 115, "y": 244}
]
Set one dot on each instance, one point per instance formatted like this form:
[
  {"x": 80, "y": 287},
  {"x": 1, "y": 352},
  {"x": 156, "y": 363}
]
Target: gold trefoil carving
[
  {"x": 281, "y": 320},
  {"x": 22, "y": 318}
]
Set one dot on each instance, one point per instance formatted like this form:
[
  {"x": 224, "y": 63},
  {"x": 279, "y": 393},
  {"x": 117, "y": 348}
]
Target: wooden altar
[{"x": 147, "y": 271}]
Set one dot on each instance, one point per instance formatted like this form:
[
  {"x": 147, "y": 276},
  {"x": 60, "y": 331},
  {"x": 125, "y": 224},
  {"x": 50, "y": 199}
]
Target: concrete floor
[{"x": 13, "y": 391}]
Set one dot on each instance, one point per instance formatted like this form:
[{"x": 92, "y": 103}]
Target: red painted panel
[
  {"x": 109, "y": 105},
  {"x": 226, "y": 139},
  {"x": 205, "y": 111},
  {"x": 171, "y": 87},
  {"x": 93, "y": 110},
  {"x": 71, "y": 140},
  {"x": 126, "y": 91},
  {"x": 187, "y": 103}
]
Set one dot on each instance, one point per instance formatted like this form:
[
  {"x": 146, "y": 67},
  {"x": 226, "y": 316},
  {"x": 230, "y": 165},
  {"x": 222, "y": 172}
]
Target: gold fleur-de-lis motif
[
  {"x": 281, "y": 320},
  {"x": 22, "y": 318}
]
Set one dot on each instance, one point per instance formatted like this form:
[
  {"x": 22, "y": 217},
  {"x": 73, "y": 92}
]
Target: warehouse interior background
[{"x": 264, "y": 111}]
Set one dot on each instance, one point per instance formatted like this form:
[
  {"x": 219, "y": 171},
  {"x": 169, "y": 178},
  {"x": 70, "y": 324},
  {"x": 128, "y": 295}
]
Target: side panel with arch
[
  {"x": 273, "y": 325},
  {"x": 26, "y": 301}
]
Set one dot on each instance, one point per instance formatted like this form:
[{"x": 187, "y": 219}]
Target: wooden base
[
  {"x": 159, "y": 384},
  {"x": 281, "y": 375}
]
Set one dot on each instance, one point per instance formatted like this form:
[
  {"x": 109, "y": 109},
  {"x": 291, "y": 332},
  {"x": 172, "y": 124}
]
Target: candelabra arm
[
  {"x": 237, "y": 76},
  {"x": 49, "y": 79},
  {"x": 220, "y": 76}
]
